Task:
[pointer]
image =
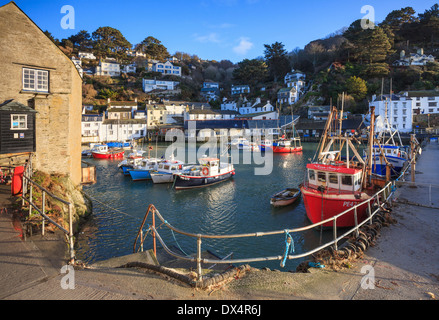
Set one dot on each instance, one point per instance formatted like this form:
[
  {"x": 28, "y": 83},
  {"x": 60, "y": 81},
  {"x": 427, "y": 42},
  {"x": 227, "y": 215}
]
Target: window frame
[
  {"x": 45, "y": 82},
  {"x": 19, "y": 121}
]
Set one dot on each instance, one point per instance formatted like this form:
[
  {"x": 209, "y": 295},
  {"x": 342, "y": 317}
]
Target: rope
[{"x": 289, "y": 247}]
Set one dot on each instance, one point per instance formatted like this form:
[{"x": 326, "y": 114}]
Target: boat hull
[
  {"x": 379, "y": 166},
  {"x": 282, "y": 203},
  {"x": 189, "y": 182},
  {"x": 162, "y": 177},
  {"x": 331, "y": 204},
  {"x": 277, "y": 149},
  {"x": 137, "y": 175},
  {"x": 109, "y": 155}
]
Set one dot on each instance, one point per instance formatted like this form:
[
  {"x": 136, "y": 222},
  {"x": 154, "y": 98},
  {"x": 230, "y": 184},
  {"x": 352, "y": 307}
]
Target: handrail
[
  {"x": 387, "y": 191},
  {"x": 26, "y": 182}
]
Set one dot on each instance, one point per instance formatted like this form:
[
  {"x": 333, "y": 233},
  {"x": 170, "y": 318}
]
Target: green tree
[
  {"x": 397, "y": 18},
  {"x": 277, "y": 61},
  {"x": 81, "y": 40},
  {"x": 153, "y": 48},
  {"x": 356, "y": 87},
  {"x": 251, "y": 72},
  {"x": 110, "y": 42}
]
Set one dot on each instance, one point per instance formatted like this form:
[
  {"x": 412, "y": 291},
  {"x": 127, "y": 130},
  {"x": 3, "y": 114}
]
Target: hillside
[{"x": 357, "y": 61}]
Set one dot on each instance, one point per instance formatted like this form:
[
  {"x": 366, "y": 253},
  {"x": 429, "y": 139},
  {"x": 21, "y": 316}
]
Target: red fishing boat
[
  {"x": 103, "y": 152},
  {"x": 333, "y": 186},
  {"x": 287, "y": 145}
]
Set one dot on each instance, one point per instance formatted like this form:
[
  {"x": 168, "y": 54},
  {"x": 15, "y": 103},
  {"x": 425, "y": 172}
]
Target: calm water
[{"x": 240, "y": 205}]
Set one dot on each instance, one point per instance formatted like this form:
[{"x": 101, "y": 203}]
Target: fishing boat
[
  {"x": 285, "y": 197},
  {"x": 287, "y": 145},
  {"x": 166, "y": 170},
  {"x": 331, "y": 186},
  {"x": 101, "y": 151},
  {"x": 210, "y": 171},
  {"x": 129, "y": 163},
  {"x": 143, "y": 170}
]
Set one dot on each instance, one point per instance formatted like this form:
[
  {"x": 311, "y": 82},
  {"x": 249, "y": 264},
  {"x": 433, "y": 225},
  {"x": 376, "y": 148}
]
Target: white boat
[
  {"x": 244, "y": 144},
  {"x": 166, "y": 170}
]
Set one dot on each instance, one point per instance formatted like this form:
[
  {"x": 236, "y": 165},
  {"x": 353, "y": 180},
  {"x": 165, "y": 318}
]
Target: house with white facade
[
  {"x": 129, "y": 68},
  {"x": 396, "y": 108},
  {"x": 121, "y": 127},
  {"x": 78, "y": 65},
  {"x": 108, "y": 67},
  {"x": 166, "y": 68},
  {"x": 153, "y": 84},
  {"x": 86, "y": 55},
  {"x": 424, "y": 102},
  {"x": 293, "y": 76},
  {"x": 287, "y": 96},
  {"x": 413, "y": 59},
  {"x": 240, "y": 89},
  {"x": 210, "y": 90}
]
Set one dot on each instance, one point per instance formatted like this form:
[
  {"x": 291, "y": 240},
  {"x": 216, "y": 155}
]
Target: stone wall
[{"x": 58, "y": 121}]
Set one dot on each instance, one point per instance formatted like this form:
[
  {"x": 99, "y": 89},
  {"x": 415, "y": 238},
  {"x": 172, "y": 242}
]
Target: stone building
[{"x": 37, "y": 74}]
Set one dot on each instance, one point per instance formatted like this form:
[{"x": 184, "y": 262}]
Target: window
[
  {"x": 333, "y": 178},
  {"x": 311, "y": 175},
  {"x": 321, "y": 176},
  {"x": 346, "y": 180},
  {"x": 18, "y": 121},
  {"x": 35, "y": 80}
]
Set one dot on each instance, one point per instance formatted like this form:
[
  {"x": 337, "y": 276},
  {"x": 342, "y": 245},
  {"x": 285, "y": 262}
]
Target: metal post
[
  {"x": 141, "y": 240},
  {"x": 153, "y": 234},
  {"x": 199, "y": 257},
  {"x": 30, "y": 200},
  {"x": 44, "y": 212},
  {"x": 356, "y": 221},
  {"x": 334, "y": 231},
  {"x": 72, "y": 250}
]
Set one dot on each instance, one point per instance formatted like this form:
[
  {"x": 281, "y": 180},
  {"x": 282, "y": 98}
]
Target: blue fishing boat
[
  {"x": 143, "y": 171},
  {"x": 385, "y": 155}
]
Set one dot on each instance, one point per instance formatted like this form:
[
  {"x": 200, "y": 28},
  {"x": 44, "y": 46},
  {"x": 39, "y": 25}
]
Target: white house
[
  {"x": 167, "y": 68},
  {"x": 424, "y": 102},
  {"x": 153, "y": 84},
  {"x": 414, "y": 59},
  {"x": 98, "y": 129},
  {"x": 86, "y": 55},
  {"x": 210, "y": 90},
  {"x": 129, "y": 68},
  {"x": 399, "y": 110},
  {"x": 108, "y": 67},
  {"x": 78, "y": 65},
  {"x": 294, "y": 76},
  {"x": 287, "y": 96},
  {"x": 240, "y": 89}
]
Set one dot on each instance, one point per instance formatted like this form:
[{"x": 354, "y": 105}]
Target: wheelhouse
[{"x": 334, "y": 178}]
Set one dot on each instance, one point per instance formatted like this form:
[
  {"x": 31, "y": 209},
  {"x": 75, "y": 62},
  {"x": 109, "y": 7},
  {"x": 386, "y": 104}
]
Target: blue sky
[{"x": 213, "y": 29}]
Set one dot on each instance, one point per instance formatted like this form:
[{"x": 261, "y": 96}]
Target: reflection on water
[{"x": 240, "y": 205}]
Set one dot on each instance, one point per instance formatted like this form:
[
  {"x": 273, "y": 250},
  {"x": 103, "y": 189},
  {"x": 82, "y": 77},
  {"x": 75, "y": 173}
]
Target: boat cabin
[
  {"x": 101, "y": 148},
  {"x": 170, "y": 166},
  {"x": 334, "y": 178},
  {"x": 210, "y": 166}
]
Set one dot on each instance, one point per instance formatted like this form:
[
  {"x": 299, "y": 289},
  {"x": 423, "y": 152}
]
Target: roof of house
[{"x": 11, "y": 105}]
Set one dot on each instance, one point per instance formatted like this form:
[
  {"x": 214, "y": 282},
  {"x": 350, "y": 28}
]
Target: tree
[
  {"x": 154, "y": 49},
  {"x": 110, "y": 42},
  {"x": 251, "y": 72},
  {"x": 397, "y": 18},
  {"x": 81, "y": 40},
  {"x": 277, "y": 61},
  {"x": 356, "y": 87},
  {"x": 375, "y": 45}
]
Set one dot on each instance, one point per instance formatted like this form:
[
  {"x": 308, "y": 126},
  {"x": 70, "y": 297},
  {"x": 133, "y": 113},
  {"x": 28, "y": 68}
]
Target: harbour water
[{"x": 240, "y": 205}]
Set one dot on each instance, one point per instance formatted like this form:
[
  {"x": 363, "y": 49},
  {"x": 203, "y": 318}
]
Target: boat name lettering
[{"x": 348, "y": 204}]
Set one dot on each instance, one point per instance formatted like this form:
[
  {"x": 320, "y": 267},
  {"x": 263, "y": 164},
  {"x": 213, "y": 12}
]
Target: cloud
[
  {"x": 244, "y": 46},
  {"x": 211, "y": 37}
]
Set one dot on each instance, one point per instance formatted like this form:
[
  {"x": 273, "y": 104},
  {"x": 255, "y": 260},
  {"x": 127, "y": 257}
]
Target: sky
[{"x": 212, "y": 29}]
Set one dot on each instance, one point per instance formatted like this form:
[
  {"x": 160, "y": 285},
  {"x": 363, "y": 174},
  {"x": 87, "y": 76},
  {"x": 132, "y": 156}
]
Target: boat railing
[
  {"x": 28, "y": 196},
  {"x": 375, "y": 204}
]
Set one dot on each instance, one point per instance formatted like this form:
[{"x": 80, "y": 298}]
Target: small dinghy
[{"x": 285, "y": 197}]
